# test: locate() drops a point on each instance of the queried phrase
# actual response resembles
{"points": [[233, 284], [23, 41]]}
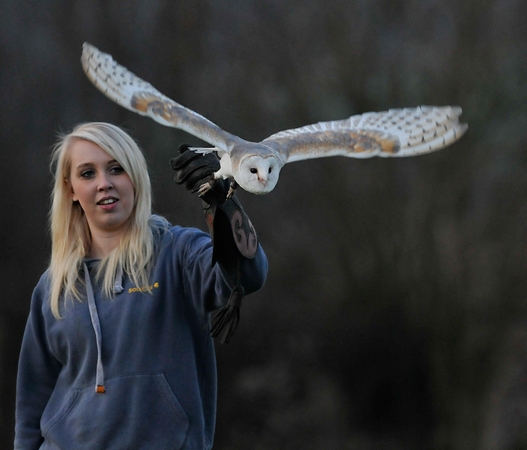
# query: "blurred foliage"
{"points": [[394, 312]]}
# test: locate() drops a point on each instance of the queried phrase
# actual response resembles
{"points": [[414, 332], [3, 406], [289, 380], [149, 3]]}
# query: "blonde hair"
{"points": [[70, 233]]}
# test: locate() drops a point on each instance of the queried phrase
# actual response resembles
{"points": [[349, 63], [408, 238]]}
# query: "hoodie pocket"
{"points": [[137, 412]]}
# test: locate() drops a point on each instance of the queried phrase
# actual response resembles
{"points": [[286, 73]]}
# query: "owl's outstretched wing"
{"points": [[397, 132], [135, 94]]}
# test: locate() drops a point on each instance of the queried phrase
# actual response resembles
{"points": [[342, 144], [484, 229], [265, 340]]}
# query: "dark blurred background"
{"points": [[394, 314]]}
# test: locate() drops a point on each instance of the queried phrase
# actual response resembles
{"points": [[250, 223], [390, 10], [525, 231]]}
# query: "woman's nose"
{"points": [[105, 183]]}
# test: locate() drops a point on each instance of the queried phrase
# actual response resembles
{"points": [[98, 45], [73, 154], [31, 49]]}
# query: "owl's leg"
{"points": [[209, 185], [232, 188]]}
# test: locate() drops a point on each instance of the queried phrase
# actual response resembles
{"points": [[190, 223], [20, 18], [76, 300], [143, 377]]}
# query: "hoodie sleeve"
{"points": [[208, 281], [38, 371]]}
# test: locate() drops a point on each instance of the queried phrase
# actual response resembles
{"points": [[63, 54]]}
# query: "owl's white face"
{"points": [[258, 174]]}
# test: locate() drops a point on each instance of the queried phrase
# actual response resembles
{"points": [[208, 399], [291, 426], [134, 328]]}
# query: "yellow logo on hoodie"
{"points": [[144, 288]]}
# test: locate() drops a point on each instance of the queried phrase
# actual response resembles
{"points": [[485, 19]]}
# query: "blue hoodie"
{"points": [[153, 353]]}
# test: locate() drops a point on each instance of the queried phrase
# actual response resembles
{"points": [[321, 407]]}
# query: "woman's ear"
{"points": [[69, 187]]}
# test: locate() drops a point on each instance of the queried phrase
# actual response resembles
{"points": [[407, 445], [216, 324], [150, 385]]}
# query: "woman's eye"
{"points": [[87, 174], [116, 169]]}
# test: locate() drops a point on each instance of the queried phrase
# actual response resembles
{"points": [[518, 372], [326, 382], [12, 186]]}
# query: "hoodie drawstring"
{"points": [[96, 324], [118, 283], [99, 377]]}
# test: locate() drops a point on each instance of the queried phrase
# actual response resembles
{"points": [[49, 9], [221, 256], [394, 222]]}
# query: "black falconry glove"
{"points": [[233, 235]]}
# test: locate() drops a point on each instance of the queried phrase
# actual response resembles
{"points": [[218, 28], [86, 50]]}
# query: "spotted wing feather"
{"points": [[393, 133], [135, 94]]}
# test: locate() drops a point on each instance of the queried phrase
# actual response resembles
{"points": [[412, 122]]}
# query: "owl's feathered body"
{"points": [[256, 166]]}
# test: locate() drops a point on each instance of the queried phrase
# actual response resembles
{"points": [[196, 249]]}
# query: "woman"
{"points": [[117, 352]]}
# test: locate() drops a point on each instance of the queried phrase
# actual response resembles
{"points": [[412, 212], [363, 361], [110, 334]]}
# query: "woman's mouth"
{"points": [[107, 201]]}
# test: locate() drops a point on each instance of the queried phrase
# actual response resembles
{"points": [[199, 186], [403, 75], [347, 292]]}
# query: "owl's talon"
{"points": [[232, 189], [204, 188]]}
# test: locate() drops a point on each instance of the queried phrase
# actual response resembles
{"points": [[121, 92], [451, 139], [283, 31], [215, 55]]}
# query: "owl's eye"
{"points": [[270, 169], [253, 170]]}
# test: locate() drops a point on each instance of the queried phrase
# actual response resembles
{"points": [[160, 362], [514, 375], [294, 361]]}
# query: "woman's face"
{"points": [[101, 186]]}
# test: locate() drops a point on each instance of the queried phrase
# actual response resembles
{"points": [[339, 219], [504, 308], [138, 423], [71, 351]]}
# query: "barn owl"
{"points": [[255, 166]]}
